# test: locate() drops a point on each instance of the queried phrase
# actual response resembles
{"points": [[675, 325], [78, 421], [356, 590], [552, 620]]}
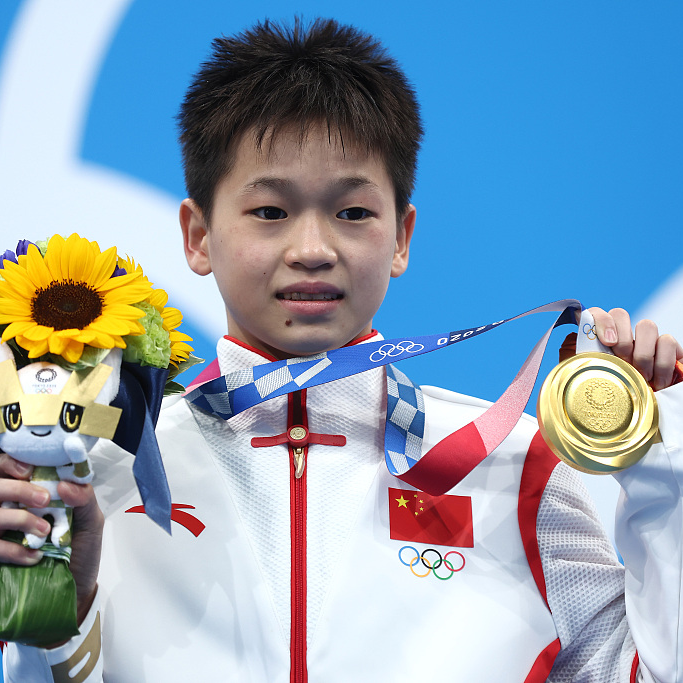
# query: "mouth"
{"points": [[47, 433], [306, 296], [310, 300]]}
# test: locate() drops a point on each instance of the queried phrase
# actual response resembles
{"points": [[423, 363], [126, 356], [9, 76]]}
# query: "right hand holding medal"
{"points": [[596, 410]]}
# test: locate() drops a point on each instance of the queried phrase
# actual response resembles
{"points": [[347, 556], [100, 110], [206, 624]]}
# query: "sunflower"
{"points": [[171, 317], [69, 299], [180, 351]]}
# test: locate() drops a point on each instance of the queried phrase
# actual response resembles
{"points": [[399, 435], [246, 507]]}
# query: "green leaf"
{"points": [[89, 359], [173, 389]]}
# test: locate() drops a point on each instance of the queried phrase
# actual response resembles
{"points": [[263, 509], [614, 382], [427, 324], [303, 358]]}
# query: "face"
{"points": [[302, 242]]}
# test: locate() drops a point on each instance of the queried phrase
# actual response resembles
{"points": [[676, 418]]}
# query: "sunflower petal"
{"points": [[70, 253], [18, 284], [138, 329], [58, 344], [36, 268], [134, 282], [123, 311], [53, 258], [72, 332], [82, 261], [158, 298], [105, 341], [85, 336], [37, 333], [10, 332], [73, 352], [17, 309], [175, 336], [111, 326], [172, 318], [35, 349], [20, 327], [133, 293], [103, 268]]}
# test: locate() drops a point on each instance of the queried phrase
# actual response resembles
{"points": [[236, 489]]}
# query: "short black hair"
{"points": [[275, 75]]}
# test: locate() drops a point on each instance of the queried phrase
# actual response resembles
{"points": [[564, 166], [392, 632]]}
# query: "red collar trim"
{"points": [[372, 333]]}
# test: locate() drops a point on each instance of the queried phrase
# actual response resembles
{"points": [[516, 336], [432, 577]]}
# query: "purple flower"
{"points": [[22, 247], [119, 271], [7, 256]]}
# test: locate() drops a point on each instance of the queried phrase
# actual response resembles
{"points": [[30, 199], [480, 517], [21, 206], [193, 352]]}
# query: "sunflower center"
{"points": [[66, 305]]}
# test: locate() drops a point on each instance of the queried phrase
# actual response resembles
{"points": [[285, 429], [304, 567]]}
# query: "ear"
{"points": [[194, 229], [403, 236], [111, 386]]}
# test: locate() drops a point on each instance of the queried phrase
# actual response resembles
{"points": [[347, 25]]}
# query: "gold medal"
{"points": [[597, 413]]}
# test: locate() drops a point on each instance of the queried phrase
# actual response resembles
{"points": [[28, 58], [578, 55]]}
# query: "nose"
{"points": [[312, 243]]}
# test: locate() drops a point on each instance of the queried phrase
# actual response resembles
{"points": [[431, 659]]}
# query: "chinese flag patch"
{"points": [[436, 520]]}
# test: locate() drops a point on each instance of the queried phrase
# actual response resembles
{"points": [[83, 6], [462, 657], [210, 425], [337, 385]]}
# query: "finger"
{"points": [[15, 553], [88, 518], [76, 495], [667, 352], [623, 348], [605, 326], [24, 493], [568, 348], [644, 349], [10, 467], [20, 519]]}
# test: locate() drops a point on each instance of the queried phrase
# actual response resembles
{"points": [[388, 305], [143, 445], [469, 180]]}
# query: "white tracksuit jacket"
{"points": [[270, 578]]}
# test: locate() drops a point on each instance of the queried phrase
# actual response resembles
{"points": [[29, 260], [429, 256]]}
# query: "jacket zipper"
{"points": [[296, 415]]}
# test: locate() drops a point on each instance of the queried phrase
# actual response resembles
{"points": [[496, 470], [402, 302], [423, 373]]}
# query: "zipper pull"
{"points": [[299, 461]]}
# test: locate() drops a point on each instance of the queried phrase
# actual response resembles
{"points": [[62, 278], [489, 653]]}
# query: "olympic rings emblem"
{"points": [[432, 566], [394, 350], [589, 331]]}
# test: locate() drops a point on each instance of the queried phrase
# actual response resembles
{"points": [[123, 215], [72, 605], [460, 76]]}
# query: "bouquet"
{"points": [[88, 350]]}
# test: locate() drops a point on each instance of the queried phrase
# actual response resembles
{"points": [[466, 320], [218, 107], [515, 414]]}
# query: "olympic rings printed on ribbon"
{"points": [[432, 565], [394, 350], [589, 331]]}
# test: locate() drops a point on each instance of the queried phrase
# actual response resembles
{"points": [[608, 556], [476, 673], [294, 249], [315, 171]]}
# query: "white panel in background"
{"points": [[51, 62]]}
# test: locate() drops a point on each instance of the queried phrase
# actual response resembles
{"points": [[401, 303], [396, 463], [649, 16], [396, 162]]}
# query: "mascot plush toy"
{"points": [[51, 419]]}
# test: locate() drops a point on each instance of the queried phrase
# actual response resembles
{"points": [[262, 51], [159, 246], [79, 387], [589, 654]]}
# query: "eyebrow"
{"points": [[277, 184], [267, 183]]}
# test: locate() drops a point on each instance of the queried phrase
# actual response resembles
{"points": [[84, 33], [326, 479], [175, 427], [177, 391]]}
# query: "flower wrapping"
{"points": [[37, 604]]}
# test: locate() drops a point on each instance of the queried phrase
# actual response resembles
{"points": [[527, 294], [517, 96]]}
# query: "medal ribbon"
{"points": [[449, 461]]}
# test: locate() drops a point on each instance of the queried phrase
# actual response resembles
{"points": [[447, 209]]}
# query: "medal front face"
{"points": [[597, 413]]}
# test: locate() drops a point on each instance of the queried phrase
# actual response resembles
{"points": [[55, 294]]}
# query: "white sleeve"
{"points": [[584, 584], [649, 535], [77, 661]]}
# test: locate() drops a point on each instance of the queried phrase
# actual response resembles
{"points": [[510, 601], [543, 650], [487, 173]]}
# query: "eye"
{"points": [[270, 213], [11, 414], [355, 213], [71, 416]]}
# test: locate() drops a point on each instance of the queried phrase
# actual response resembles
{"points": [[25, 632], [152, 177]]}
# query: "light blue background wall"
{"points": [[551, 167]]}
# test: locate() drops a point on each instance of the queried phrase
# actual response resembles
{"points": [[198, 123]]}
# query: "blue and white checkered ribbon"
{"points": [[229, 395]]}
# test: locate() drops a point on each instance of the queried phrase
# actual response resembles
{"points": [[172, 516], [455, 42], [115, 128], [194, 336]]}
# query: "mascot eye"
{"points": [[11, 414], [71, 417]]}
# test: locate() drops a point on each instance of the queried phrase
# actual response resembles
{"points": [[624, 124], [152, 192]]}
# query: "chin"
{"points": [[309, 347]]}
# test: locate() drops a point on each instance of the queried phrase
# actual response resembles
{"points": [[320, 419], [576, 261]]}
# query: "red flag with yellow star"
{"points": [[436, 520]]}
